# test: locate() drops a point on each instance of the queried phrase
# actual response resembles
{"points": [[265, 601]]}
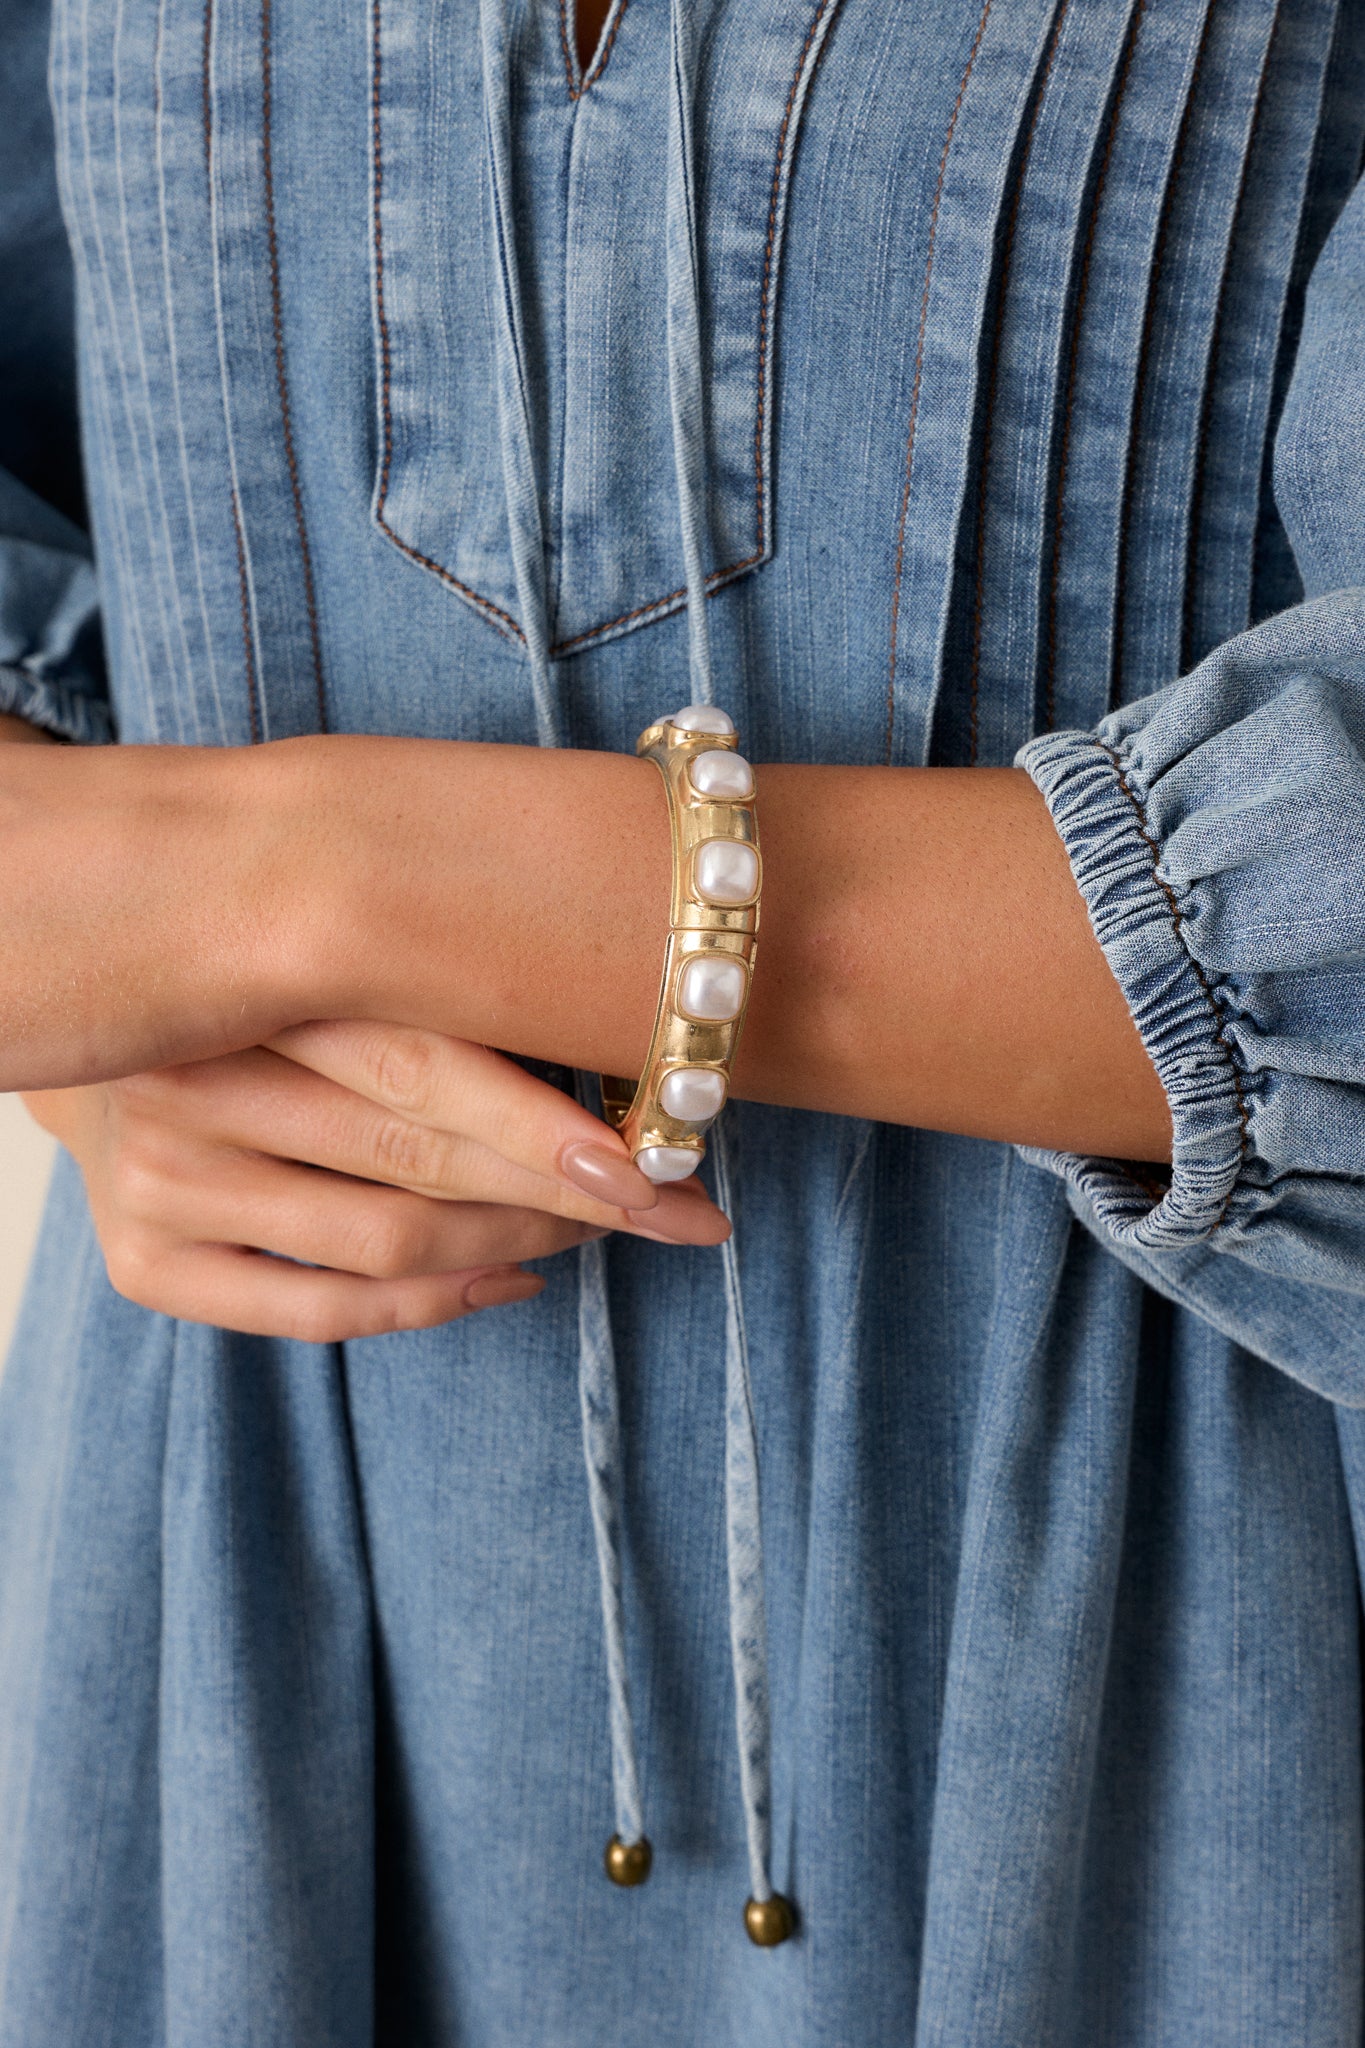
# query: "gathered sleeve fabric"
{"points": [[1216, 830], [51, 664], [51, 661]]}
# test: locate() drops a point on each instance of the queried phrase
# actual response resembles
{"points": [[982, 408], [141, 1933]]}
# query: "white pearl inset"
{"points": [[692, 1094], [667, 1162], [720, 773], [711, 988], [725, 870], [702, 718]]}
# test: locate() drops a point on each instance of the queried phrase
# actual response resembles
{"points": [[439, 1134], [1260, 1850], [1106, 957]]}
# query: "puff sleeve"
{"points": [[1216, 830], [51, 663]]}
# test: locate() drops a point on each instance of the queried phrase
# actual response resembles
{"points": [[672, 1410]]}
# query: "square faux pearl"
{"points": [[725, 871], [692, 1094], [667, 1162], [719, 773], [711, 988], [702, 718]]}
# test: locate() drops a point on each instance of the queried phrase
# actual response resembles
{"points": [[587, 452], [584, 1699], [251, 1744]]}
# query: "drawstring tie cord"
{"points": [[768, 1916]]}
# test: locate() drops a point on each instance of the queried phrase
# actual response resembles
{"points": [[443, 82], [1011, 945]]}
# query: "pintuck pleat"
{"points": [[970, 191], [1139, 160], [1189, 263], [1140, 283], [1003, 597], [1233, 418]]}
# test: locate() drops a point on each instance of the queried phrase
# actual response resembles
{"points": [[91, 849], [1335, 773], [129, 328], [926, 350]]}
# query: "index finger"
{"points": [[450, 1084]]}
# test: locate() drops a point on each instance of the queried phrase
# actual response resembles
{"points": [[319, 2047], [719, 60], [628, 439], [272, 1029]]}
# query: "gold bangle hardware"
{"points": [[712, 937]]}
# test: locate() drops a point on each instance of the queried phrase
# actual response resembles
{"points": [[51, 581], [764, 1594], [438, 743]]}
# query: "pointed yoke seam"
{"points": [[715, 578]]}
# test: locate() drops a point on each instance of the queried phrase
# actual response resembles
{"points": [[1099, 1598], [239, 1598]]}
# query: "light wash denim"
{"points": [[999, 371]]}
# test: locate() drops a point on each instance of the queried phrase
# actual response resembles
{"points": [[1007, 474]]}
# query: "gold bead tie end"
{"points": [[628, 1863], [769, 1922]]}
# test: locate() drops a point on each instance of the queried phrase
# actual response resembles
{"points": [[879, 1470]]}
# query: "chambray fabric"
{"points": [[1032, 416]]}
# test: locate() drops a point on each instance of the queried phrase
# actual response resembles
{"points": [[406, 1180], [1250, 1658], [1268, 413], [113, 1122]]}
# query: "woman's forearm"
{"points": [[20, 730], [142, 921], [924, 956]]}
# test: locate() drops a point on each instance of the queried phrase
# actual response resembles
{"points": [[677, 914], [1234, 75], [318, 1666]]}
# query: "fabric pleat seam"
{"points": [[993, 378], [1135, 424], [248, 649], [1196, 504], [206, 87], [1072, 370], [909, 468], [281, 370]]}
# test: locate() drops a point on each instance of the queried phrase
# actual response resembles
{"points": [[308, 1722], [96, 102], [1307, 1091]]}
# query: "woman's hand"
{"points": [[408, 1172]]}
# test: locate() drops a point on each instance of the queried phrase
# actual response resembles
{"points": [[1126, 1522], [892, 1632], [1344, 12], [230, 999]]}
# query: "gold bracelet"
{"points": [[709, 958]]}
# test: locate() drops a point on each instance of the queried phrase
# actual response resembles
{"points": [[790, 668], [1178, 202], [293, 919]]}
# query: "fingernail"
{"points": [[596, 1171], [500, 1290], [673, 1224]]}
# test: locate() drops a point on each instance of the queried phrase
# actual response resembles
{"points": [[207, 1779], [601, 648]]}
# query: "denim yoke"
{"points": [[1032, 418]]}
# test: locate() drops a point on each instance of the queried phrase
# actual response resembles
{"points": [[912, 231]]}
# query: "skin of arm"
{"points": [[21, 733], [925, 957]]}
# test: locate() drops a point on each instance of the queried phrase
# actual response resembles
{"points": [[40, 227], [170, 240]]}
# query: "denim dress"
{"points": [[932, 382]]}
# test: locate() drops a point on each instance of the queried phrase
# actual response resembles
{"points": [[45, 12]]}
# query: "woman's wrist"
{"points": [[144, 913], [504, 894]]}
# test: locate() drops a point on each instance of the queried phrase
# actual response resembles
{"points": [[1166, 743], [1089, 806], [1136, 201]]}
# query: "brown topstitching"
{"points": [[494, 611], [577, 87]]}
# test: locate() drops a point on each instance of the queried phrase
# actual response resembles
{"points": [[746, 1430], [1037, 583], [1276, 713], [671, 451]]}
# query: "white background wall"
{"points": [[25, 1162]]}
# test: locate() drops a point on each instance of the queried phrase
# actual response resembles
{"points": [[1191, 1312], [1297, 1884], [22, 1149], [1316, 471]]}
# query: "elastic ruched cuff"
{"points": [[71, 714], [1216, 830], [51, 658], [1099, 809]]}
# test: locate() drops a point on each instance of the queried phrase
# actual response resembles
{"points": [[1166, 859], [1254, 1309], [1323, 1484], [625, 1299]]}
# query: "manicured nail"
{"points": [[500, 1290], [596, 1171], [683, 1222]]}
